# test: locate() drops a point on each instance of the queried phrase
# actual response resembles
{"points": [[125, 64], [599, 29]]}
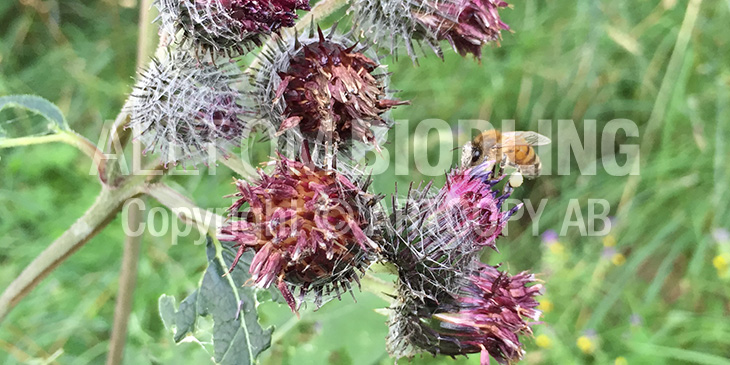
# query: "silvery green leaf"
{"points": [[238, 338], [38, 105]]}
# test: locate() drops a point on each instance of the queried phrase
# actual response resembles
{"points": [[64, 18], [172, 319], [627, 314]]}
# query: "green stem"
{"points": [[373, 284], [184, 208], [32, 140], [68, 137], [132, 242], [105, 208]]}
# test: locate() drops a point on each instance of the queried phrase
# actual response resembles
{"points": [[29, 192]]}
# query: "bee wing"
{"points": [[526, 138]]}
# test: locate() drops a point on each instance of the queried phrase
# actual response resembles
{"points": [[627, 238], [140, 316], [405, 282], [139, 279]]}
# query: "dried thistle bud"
{"points": [[187, 109], [323, 89], [466, 24], [227, 27], [488, 316], [311, 228]]}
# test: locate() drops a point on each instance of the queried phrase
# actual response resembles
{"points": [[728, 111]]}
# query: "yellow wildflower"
{"points": [[720, 262], [546, 306], [586, 344], [543, 341], [618, 259]]}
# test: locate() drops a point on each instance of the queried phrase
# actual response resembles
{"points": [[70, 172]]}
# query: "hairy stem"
{"points": [[71, 138], [184, 208], [105, 208]]}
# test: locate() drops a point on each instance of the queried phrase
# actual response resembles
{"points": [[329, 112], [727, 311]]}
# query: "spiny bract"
{"points": [[187, 110]]}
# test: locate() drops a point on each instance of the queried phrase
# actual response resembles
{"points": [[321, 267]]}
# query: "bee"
{"points": [[514, 149]]}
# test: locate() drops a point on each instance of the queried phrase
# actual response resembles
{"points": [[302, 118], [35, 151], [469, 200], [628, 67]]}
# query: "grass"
{"points": [[649, 62]]}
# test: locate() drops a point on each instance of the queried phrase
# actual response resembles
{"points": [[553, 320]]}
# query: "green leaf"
{"points": [[38, 105], [237, 335]]}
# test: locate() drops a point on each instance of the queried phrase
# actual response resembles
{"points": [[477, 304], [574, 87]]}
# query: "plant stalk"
{"points": [[105, 208], [132, 242], [127, 283]]}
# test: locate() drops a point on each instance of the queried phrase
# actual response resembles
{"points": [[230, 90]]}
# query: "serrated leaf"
{"points": [[237, 335], [38, 105]]}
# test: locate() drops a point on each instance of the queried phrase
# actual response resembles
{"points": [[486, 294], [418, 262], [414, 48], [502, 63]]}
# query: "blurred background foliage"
{"points": [[654, 290]]}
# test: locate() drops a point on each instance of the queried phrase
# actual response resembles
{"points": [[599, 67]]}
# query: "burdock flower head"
{"points": [[227, 26], [323, 89], [461, 219], [435, 243], [488, 317], [187, 109], [311, 228], [466, 24]]}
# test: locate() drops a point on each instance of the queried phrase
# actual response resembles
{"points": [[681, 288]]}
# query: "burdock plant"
{"points": [[312, 228], [307, 222], [466, 25], [323, 89]]}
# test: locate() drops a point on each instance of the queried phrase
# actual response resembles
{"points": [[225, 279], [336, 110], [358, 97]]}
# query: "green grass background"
{"points": [[565, 60]]}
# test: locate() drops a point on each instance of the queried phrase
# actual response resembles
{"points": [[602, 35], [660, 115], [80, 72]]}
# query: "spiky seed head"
{"points": [[323, 89], [435, 240], [311, 228], [454, 223], [466, 24], [226, 27], [488, 315], [186, 109]]}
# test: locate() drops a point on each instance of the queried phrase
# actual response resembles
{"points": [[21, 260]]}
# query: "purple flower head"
{"points": [[608, 252], [466, 24], [186, 110], [227, 27], [436, 235], [488, 315], [311, 228], [323, 88], [436, 243], [636, 320], [550, 236]]}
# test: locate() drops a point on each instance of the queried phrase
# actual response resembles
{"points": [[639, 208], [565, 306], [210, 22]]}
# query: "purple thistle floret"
{"points": [[227, 27], [311, 228], [466, 24], [721, 235], [448, 302], [493, 310], [550, 236]]}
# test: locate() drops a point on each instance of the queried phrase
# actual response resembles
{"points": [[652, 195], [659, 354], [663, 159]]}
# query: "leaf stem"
{"points": [[68, 137], [184, 208], [31, 140]]}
